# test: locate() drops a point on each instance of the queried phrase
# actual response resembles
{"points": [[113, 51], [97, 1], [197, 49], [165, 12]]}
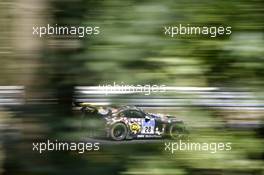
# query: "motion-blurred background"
{"points": [[38, 77]]}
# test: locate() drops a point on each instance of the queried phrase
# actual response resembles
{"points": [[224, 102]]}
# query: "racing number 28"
{"points": [[147, 129]]}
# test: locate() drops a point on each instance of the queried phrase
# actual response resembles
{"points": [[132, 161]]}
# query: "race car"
{"points": [[130, 122]]}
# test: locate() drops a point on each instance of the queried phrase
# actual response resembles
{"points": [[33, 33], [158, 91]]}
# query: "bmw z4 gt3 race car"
{"points": [[131, 122]]}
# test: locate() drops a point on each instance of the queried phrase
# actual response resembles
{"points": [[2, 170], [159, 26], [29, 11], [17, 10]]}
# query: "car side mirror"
{"points": [[147, 118]]}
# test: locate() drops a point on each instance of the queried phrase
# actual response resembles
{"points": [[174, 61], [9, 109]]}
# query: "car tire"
{"points": [[118, 131], [177, 131]]}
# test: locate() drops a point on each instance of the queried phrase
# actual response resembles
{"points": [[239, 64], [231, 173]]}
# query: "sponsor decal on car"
{"points": [[135, 128]]}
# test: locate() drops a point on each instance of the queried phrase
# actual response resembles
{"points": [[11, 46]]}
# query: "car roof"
{"points": [[123, 108]]}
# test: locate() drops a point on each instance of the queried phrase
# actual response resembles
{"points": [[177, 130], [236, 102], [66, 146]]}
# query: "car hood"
{"points": [[160, 116], [165, 118]]}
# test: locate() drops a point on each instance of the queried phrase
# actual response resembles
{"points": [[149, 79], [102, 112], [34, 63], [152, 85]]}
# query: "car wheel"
{"points": [[118, 131], [177, 131]]}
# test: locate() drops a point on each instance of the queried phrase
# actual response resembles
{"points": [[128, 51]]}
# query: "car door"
{"points": [[138, 122], [148, 125]]}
